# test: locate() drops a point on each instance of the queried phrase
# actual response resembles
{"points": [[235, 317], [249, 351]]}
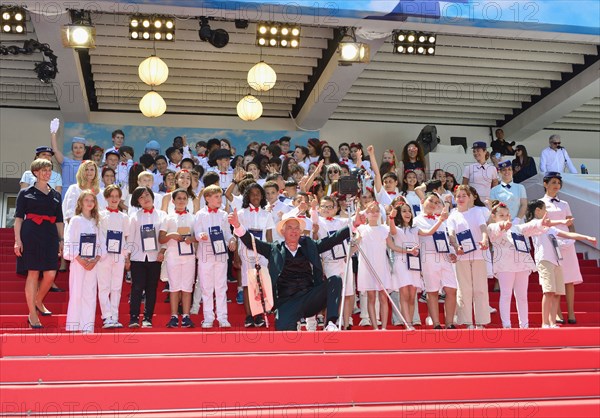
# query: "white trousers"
{"points": [[110, 282], [83, 286], [212, 283], [517, 283]]}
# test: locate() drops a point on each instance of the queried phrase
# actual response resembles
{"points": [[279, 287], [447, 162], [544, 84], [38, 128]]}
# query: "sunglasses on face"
{"points": [[556, 143], [334, 171]]}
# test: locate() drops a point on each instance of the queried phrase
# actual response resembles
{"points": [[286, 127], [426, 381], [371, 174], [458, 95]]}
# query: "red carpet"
{"points": [[240, 372]]}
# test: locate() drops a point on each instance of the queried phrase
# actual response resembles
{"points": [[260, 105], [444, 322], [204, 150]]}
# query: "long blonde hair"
{"points": [[95, 214], [80, 176]]}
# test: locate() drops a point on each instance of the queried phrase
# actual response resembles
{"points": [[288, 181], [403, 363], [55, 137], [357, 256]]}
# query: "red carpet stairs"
{"points": [[248, 372]]}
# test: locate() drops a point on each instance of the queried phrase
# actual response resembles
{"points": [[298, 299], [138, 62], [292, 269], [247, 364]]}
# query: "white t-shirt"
{"points": [[471, 220], [481, 177]]}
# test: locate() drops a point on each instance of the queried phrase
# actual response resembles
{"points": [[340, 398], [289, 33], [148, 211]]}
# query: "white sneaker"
{"points": [[479, 326], [116, 323], [194, 310], [223, 324], [471, 326], [311, 324], [207, 324], [350, 321], [493, 310], [108, 323], [554, 326], [365, 322], [429, 321], [545, 326], [146, 324], [331, 327]]}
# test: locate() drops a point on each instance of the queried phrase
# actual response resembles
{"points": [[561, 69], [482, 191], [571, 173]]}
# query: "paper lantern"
{"points": [[152, 105], [249, 108], [153, 71], [262, 77]]}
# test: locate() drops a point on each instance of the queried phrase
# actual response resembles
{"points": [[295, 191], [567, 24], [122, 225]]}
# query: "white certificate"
{"points": [[87, 249]]}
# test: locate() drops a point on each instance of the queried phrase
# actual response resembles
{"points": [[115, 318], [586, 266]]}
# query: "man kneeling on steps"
{"points": [[296, 272]]}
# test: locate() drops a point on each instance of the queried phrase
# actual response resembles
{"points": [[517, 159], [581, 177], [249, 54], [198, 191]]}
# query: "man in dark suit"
{"points": [[299, 290]]}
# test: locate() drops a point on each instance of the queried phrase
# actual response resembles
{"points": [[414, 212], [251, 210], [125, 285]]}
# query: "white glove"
{"points": [[54, 125]]}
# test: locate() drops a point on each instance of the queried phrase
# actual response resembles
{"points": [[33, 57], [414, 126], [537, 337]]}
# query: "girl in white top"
{"points": [[467, 232], [559, 209], [275, 206], [334, 261], [83, 240], [406, 273], [409, 183], [548, 254], [114, 224], [146, 255], [437, 260], [258, 222], [481, 174], [373, 238], [87, 179], [183, 180], [177, 233], [512, 265]]}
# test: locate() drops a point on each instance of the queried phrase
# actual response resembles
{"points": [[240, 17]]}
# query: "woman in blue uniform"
{"points": [[38, 238]]}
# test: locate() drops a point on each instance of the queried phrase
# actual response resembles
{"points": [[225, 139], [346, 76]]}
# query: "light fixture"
{"points": [[350, 51], [262, 77], [80, 33], [249, 108], [280, 35], [152, 105], [218, 38], [152, 28], [408, 42], [153, 71], [12, 20]]}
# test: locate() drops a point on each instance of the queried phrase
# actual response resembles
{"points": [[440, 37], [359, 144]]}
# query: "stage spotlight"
{"points": [[408, 42], [13, 20], [277, 35], [218, 38], [81, 33], [152, 27]]}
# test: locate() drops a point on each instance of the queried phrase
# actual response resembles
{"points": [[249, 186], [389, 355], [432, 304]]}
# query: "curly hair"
{"points": [[246, 198]]}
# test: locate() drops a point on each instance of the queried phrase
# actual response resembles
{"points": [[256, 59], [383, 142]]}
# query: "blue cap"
{"points": [[112, 152], [552, 174], [504, 164], [479, 144], [153, 145], [78, 139], [39, 150]]}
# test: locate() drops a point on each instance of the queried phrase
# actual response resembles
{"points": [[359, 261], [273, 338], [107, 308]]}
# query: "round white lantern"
{"points": [[249, 108], [152, 105], [262, 77], [153, 71]]}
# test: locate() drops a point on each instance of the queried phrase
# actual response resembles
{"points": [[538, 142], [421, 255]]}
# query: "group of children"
{"points": [[418, 236]]}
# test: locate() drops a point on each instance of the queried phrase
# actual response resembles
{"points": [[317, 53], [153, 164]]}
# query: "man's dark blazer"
{"points": [[274, 252]]}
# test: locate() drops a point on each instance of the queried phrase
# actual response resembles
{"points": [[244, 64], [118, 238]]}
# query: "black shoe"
{"points": [[166, 288], [438, 326], [173, 322], [560, 321], [451, 326], [134, 322], [56, 289], [249, 322], [571, 321], [34, 326], [259, 321], [43, 313]]}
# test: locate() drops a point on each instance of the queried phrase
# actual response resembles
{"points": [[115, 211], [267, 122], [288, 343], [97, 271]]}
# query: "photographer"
{"points": [[499, 145], [555, 158]]}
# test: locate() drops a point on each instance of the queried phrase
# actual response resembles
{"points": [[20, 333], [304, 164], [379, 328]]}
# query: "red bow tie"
{"points": [[122, 163], [149, 211], [183, 212], [201, 155], [392, 193], [430, 216], [344, 160], [254, 209], [112, 210], [215, 210], [223, 173], [301, 216], [177, 165], [329, 218]]}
